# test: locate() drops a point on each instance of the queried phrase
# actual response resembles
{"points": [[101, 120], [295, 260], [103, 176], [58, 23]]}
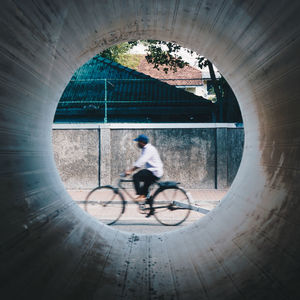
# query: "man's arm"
{"points": [[140, 162], [130, 171], [143, 159]]}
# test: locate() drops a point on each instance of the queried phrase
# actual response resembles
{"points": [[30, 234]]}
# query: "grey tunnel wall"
{"points": [[247, 248]]}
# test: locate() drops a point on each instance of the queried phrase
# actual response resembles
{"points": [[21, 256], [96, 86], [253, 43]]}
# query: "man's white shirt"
{"points": [[151, 160]]}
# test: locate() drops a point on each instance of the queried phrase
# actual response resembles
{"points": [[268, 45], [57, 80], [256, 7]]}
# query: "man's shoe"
{"points": [[141, 198]]}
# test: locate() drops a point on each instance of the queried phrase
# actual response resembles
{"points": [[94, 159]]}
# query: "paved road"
{"points": [[133, 221]]}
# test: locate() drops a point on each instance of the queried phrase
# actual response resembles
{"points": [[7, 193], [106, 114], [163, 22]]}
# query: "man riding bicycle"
{"points": [[168, 202], [153, 168]]}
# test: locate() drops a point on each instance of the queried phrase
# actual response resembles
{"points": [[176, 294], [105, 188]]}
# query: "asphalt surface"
{"points": [[135, 222]]}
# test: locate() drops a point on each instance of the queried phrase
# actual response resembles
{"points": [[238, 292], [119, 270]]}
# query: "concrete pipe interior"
{"points": [[246, 248]]}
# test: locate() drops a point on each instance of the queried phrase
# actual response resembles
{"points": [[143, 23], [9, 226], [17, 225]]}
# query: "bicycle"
{"points": [[169, 203]]}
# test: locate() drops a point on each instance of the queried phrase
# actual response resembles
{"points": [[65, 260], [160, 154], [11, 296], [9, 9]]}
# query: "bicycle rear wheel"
{"points": [[105, 203], [171, 206]]}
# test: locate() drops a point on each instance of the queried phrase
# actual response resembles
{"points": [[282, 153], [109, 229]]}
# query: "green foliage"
{"points": [[202, 62], [131, 61], [162, 54], [159, 57], [168, 58], [117, 52], [165, 55]]}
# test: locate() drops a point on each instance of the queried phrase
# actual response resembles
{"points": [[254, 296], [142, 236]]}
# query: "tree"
{"points": [[161, 53], [171, 61], [165, 54], [166, 58], [119, 54]]}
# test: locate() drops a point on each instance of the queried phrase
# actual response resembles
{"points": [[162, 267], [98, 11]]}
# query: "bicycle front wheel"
{"points": [[105, 203], [171, 206]]}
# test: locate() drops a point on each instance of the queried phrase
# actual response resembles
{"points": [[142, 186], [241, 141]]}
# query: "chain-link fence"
{"points": [[143, 100]]}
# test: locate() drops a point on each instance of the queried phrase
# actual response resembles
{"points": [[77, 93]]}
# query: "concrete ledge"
{"points": [[144, 125]]}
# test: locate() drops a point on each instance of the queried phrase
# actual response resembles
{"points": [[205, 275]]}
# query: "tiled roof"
{"points": [[187, 76]]}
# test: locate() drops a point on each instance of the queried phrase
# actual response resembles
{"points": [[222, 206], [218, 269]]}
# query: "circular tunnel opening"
{"points": [[248, 246], [132, 89]]}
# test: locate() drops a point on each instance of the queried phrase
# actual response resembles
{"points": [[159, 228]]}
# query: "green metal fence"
{"points": [[106, 94]]}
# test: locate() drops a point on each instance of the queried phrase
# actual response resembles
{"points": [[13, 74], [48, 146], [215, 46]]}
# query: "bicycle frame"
{"points": [[149, 201]]}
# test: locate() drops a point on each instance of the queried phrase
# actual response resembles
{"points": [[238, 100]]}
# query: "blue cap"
{"points": [[142, 138]]}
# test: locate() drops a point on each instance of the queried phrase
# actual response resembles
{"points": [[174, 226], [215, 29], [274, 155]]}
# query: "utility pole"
{"points": [[216, 89], [105, 100]]}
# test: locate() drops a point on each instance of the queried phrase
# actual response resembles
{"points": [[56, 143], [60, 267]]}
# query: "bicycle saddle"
{"points": [[168, 183]]}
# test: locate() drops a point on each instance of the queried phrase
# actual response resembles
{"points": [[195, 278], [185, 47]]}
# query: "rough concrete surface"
{"points": [[77, 157], [246, 248], [179, 149], [195, 157]]}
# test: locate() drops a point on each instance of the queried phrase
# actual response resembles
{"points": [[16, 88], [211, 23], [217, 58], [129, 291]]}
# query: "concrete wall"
{"points": [[76, 153], [198, 156]]}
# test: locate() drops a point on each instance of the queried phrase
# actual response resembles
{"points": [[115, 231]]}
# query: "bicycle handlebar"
{"points": [[123, 175], [126, 180]]}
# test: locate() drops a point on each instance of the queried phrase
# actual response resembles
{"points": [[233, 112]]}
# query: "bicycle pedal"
{"points": [[142, 206], [150, 214]]}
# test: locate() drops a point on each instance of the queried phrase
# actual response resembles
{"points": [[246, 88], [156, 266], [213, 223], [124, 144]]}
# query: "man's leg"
{"points": [[137, 178], [148, 179]]}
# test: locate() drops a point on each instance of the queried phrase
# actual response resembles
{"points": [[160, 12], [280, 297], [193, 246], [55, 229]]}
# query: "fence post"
{"points": [[105, 155], [221, 159], [105, 100]]}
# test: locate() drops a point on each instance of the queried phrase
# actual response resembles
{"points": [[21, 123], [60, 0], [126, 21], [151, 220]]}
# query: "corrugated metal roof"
{"points": [[126, 89], [124, 85]]}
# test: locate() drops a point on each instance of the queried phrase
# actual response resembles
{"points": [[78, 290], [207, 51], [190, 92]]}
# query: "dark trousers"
{"points": [[147, 178]]}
